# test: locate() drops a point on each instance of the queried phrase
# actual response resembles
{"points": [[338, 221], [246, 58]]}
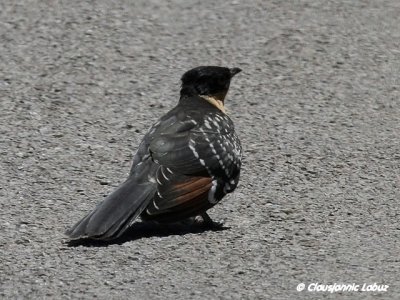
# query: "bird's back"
{"points": [[199, 155]]}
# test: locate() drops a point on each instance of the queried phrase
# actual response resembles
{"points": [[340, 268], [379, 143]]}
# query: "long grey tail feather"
{"points": [[116, 213]]}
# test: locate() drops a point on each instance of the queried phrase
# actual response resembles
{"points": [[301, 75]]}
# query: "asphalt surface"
{"points": [[317, 109]]}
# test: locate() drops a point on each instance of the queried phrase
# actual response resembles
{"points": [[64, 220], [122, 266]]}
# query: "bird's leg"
{"points": [[204, 220]]}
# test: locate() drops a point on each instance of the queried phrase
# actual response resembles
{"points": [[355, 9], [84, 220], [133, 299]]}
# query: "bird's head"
{"points": [[208, 81]]}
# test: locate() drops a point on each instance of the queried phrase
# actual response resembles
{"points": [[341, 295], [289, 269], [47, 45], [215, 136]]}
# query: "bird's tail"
{"points": [[116, 213]]}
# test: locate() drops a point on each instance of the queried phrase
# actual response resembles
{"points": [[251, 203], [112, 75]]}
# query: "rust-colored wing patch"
{"points": [[178, 197]]}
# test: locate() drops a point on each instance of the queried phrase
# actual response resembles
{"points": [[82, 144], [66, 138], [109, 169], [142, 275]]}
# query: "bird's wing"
{"points": [[199, 164], [198, 150], [178, 196]]}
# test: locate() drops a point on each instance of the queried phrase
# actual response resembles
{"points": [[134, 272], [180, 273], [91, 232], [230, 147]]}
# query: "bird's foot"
{"points": [[204, 221]]}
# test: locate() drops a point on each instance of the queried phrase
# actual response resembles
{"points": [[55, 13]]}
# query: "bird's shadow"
{"points": [[146, 230]]}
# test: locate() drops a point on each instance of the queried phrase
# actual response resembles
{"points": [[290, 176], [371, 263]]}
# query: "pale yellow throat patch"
{"points": [[215, 100]]}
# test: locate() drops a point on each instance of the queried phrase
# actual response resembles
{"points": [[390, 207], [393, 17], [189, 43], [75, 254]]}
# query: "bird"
{"points": [[185, 164]]}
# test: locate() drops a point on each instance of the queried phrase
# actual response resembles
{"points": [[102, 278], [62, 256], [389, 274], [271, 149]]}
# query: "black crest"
{"points": [[207, 80]]}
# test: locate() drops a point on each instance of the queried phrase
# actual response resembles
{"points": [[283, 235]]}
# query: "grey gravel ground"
{"points": [[317, 108]]}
